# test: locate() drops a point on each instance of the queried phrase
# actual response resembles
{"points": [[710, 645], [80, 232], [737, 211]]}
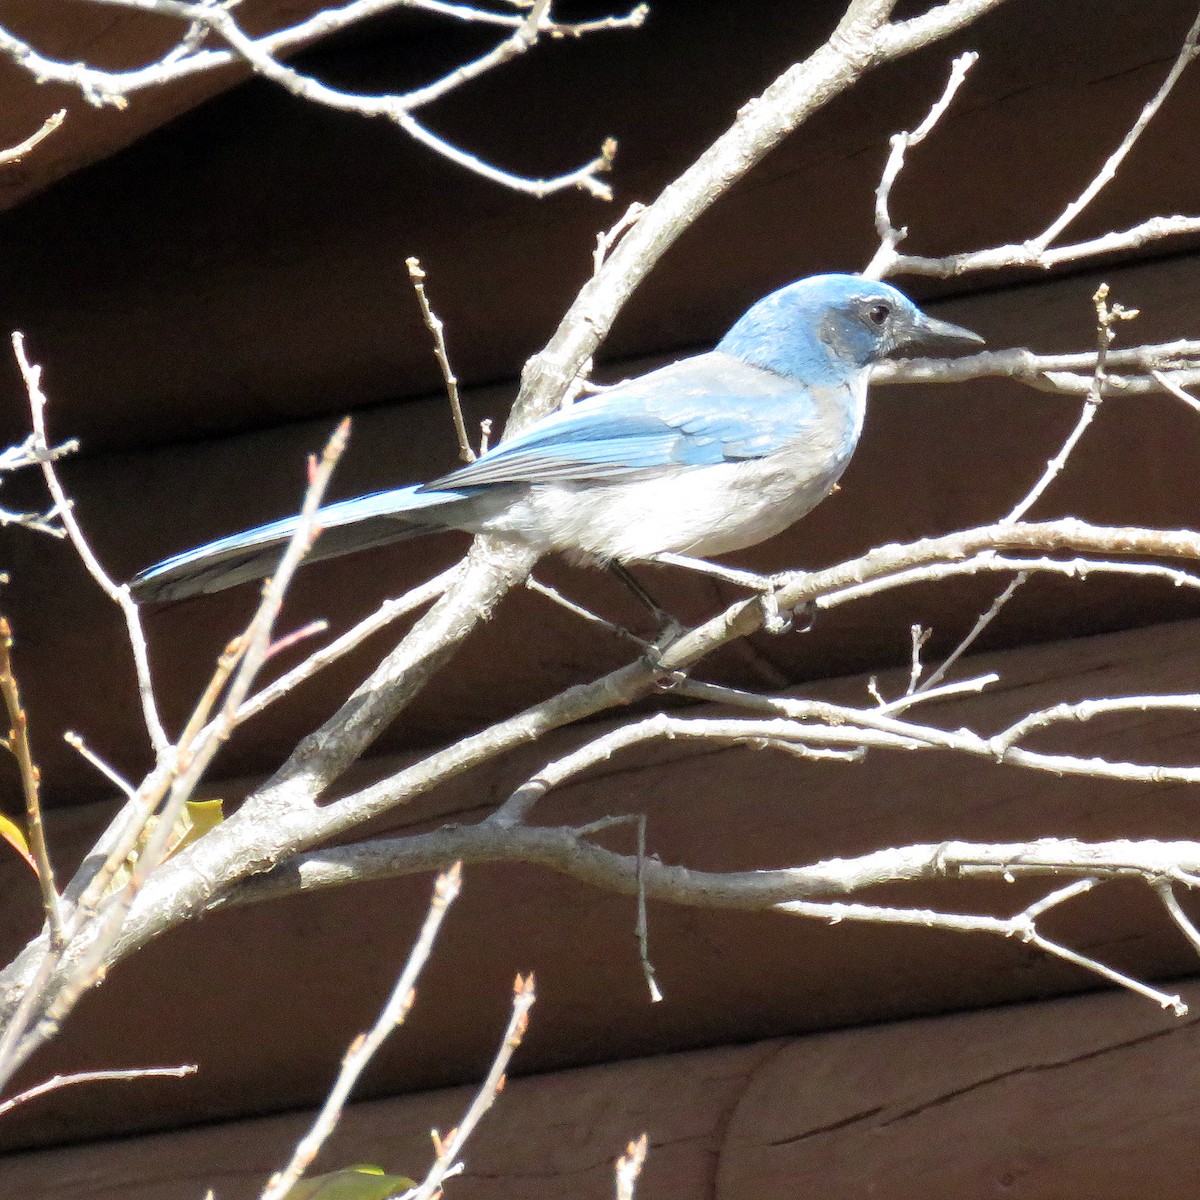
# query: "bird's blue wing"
{"points": [[704, 410]]}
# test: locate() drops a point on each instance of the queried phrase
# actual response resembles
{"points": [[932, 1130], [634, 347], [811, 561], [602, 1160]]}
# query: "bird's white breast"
{"points": [[697, 510]]}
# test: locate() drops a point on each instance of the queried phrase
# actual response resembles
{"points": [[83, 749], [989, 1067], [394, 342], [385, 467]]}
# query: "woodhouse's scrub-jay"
{"points": [[707, 455]]}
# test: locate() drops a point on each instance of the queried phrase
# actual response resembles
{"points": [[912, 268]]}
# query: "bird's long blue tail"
{"points": [[349, 525]]}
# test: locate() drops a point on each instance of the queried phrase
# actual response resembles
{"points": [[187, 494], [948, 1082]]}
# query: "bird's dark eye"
{"points": [[878, 313]]}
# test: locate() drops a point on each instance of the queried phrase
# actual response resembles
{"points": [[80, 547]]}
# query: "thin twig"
{"points": [[1108, 171], [585, 177], [1083, 711], [1168, 384], [918, 636], [981, 623], [289, 641], [642, 927], [578, 610], [18, 746], [29, 454], [118, 594], [115, 1076], [38, 522], [889, 236], [437, 329], [1038, 251], [254, 645], [1106, 318], [1023, 926], [365, 1046], [715, 693], [49, 125], [1024, 254], [629, 1166], [110, 773], [643, 922], [449, 1147], [606, 241], [1166, 893], [388, 611]]}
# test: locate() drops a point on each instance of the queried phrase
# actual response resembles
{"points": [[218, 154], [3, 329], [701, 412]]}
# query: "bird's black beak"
{"points": [[927, 335]]}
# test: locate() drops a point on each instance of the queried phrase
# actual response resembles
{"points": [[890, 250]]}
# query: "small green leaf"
{"points": [[361, 1182], [204, 815], [196, 819]]}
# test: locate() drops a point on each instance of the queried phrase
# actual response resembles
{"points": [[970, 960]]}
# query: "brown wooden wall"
{"points": [[1089, 1096], [209, 300]]}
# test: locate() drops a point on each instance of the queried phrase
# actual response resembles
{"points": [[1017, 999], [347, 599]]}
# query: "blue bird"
{"points": [[710, 454]]}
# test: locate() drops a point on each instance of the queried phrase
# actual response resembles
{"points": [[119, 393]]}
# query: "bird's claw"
{"points": [[804, 616], [670, 681], [776, 620], [653, 653], [670, 633]]}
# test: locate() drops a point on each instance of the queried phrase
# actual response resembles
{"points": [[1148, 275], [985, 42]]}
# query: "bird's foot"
{"points": [[778, 620], [804, 616], [775, 619], [654, 651]]}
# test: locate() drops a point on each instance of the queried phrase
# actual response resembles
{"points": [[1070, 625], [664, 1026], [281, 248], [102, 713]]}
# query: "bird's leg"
{"points": [[668, 627], [767, 586], [652, 606], [586, 614]]}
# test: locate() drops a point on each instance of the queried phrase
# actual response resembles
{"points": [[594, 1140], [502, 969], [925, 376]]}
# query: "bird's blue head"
{"points": [[824, 327]]}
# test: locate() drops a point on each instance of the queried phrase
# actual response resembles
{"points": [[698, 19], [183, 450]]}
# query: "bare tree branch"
{"points": [[283, 821], [26, 454], [261, 54], [1036, 251], [1022, 925], [445, 891], [1108, 171], [1021, 254], [434, 324], [15, 153], [561, 849], [1128, 372], [119, 595], [115, 1076], [1106, 318], [798, 891], [629, 1166], [17, 743], [62, 970], [449, 1148], [889, 236]]}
